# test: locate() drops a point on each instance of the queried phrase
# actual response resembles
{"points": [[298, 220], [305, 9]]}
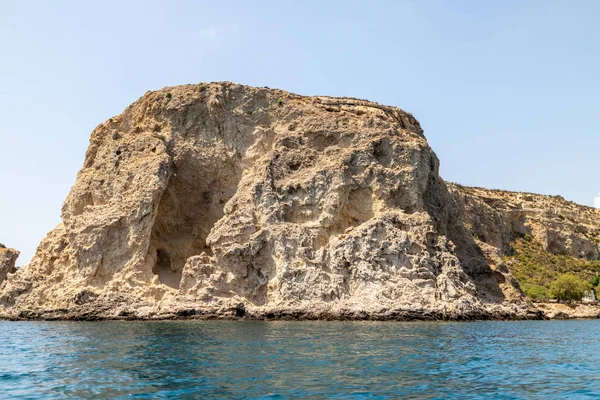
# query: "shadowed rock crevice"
{"points": [[447, 215], [8, 258], [356, 210], [190, 206]]}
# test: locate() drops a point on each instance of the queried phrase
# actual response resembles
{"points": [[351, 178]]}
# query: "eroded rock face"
{"points": [[496, 217], [8, 258], [223, 200]]}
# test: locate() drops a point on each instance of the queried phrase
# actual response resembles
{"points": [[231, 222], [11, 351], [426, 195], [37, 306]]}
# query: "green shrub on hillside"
{"points": [[536, 268], [2, 246], [536, 292], [533, 265], [568, 287]]}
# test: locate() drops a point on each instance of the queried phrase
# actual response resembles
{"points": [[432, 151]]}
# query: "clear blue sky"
{"points": [[507, 91]]}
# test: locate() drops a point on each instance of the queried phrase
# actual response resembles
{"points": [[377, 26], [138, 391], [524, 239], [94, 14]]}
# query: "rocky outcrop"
{"points": [[569, 311], [8, 258], [496, 217], [221, 200], [537, 238]]}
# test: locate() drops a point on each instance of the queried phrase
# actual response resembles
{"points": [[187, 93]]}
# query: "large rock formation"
{"points": [[220, 200]]}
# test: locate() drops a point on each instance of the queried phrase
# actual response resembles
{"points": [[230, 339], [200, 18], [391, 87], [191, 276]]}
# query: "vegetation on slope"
{"points": [[543, 275]]}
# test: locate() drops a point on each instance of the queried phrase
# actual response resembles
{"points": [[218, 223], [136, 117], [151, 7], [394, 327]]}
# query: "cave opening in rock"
{"points": [[190, 206], [163, 268]]}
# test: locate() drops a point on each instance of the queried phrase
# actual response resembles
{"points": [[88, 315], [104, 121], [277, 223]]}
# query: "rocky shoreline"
{"points": [[542, 311], [131, 312], [238, 313]]}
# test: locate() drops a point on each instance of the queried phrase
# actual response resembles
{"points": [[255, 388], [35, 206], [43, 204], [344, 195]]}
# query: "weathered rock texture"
{"points": [[563, 237], [220, 200], [496, 217], [8, 258]]}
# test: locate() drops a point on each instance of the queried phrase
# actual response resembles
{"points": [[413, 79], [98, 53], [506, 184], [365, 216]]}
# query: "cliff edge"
{"points": [[221, 200], [8, 258]]}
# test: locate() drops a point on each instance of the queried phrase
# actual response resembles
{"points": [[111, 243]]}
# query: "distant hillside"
{"points": [[539, 238]]}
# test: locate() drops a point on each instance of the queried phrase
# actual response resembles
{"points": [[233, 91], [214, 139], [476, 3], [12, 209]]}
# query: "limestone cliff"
{"points": [[220, 200]]}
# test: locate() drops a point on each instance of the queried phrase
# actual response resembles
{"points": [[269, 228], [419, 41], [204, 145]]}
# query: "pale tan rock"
{"points": [[221, 200], [497, 217], [569, 311], [8, 258]]}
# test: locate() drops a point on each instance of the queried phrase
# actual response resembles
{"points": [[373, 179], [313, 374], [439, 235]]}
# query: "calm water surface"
{"points": [[214, 359]]}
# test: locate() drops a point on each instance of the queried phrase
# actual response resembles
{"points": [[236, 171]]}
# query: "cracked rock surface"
{"points": [[221, 200], [8, 258], [495, 217]]}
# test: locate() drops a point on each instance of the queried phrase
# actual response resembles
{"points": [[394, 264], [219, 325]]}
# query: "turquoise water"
{"points": [[215, 359]]}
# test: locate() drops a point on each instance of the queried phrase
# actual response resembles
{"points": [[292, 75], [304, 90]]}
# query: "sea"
{"points": [[291, 359]]}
